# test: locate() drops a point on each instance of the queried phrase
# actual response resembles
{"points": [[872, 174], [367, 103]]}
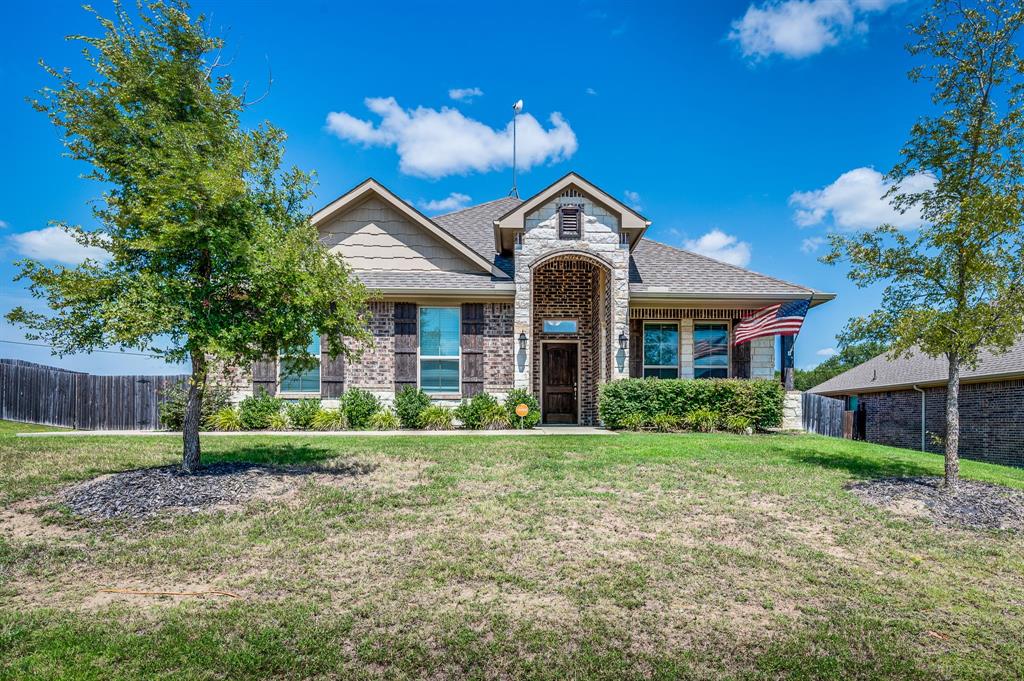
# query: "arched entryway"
{"points": [[571, 319]]}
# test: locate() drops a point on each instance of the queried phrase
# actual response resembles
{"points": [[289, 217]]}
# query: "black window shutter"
{"points": [[264, 376], [332, 372], [636, 348], [472, 349], [405, 345]]}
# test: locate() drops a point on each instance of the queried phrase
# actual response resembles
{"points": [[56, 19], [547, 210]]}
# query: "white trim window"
{"points": [[711, 350], [303, 380], [661, 350], [440, 350]]}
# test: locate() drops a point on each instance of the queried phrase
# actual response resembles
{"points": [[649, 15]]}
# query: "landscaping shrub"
{"points": [[515, 398], [329, 419], [226, 419], [702, 419], [359, 407], [738, 424], [482, 411], [302, 413], [255, 411], [409, 404], [759, 400], [174, 399], [436, 417], [278, 421], [666, 423], [634, 421], [385, 419]]}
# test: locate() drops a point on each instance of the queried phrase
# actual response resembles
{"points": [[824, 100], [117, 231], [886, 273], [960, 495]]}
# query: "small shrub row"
{"points": [[700, 405], [362, 410]]}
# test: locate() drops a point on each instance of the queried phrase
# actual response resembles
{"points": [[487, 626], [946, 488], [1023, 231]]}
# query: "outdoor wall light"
{"points": [[623, 340], [522, 341]]}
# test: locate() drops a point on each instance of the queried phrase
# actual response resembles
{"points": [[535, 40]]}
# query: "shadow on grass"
{"points": [[276, 454], [862, 466]]}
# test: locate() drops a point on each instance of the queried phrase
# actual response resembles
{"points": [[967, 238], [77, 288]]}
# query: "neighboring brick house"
{"points": [[894, 393], [556, 294]]}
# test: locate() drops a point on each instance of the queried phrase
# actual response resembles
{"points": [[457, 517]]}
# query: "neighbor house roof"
{"points": [[883, 373]]}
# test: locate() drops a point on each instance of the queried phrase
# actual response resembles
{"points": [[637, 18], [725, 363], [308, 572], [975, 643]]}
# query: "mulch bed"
{"points": [[145, 492], [976, 505]]}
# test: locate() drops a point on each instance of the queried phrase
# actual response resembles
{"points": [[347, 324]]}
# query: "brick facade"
{"points": [[991, 420], [499, 347], [375, 368]]}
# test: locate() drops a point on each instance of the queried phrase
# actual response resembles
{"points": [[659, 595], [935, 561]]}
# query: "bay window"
{"points": [[440, 335], [296, 380], [661, 350], [711, 350]]}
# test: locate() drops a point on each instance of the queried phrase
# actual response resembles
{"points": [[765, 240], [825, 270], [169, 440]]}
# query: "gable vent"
{"points": [[569, 219], [571, 193]]}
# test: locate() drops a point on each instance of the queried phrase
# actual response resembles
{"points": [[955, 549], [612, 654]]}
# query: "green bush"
{"points": [[409, 404], [703, 420], [514, 399], [226, 419], [255, 411], [329, 419], [666, 423], [302, 413], [480, 411], [436, 417], [634, 421], [385, 419], [174, 399], [279, 421], [738, 424], [758, 400], [359, 407]]}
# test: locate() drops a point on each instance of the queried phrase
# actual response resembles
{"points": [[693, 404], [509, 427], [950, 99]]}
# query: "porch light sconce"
{"points": [[623, 340], [522, 341]]}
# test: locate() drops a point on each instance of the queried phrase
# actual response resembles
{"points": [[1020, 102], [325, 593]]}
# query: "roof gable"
{"points": [[371, 187]]}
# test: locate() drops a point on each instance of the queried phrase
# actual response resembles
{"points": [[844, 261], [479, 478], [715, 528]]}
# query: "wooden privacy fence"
{"points": [[35, 393], [822, 415]]}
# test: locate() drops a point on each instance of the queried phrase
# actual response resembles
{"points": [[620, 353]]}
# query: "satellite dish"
{"points": [[518, 106]]}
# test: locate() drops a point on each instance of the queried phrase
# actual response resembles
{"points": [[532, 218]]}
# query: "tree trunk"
{"points": [[953, 424], [193, 414]]}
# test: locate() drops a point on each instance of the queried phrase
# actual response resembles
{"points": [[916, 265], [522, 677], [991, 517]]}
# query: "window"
{"points": [[569, 219], [302, 380], [440, 334], [711, 351], [661, 350], [559, 326]]}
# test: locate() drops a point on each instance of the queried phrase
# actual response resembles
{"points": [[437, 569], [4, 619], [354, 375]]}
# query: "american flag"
{"points": [[780, 319]]}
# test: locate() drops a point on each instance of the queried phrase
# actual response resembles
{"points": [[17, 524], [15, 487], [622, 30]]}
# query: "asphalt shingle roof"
{"points": [[475, 227], [882, 373], [419, 280]]}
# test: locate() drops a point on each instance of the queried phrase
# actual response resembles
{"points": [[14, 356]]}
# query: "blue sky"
{"points": [[745, 130]]}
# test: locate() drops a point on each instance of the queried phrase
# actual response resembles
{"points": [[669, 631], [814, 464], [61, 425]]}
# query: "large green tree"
{"points": [[956, 285], [212, 258]]}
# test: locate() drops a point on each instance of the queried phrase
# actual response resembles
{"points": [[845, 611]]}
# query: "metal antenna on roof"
{"points": [[516, 108]]}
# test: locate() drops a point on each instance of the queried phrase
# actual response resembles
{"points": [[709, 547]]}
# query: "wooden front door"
{"points": [[559, 394]]}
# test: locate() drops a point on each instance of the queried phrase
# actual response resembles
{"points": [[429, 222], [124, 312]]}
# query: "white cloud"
{"points": [[53, 243], [812, 244], [855, 201], [721, 246], [590, 91], [433, 144], [3, 225], [633, 198], [827, 352], [452, 202], [465, 93], [801, 28]]}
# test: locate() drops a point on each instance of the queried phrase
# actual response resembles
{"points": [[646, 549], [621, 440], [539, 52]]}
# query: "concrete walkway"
{"points": [[541, 430]]}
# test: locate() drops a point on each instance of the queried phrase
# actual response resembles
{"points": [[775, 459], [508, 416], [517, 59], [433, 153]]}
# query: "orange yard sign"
{"points": [[522, 410]]}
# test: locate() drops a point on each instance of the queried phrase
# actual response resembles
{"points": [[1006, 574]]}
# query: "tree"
{"points": [[211, 254], [955, 286], [849, 356]]}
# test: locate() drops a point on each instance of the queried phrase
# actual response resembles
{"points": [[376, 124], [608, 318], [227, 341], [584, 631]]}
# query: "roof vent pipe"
{"points": [[922, 415]]}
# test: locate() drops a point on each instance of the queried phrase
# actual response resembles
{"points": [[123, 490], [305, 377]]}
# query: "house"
{"points": [[556, 294], [904, 403]]}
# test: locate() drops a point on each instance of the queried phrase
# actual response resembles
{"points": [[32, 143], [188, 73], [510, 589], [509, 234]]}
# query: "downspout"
{"points": [[922, 416]]}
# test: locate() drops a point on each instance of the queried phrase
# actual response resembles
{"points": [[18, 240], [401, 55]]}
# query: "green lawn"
{"points": [[12, 427], [661, 556]]}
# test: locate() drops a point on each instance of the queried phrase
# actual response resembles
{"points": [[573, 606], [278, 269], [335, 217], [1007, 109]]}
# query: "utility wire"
{"points": [[109, 352]]}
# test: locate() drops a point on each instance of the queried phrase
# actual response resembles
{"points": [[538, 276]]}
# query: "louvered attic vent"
{"points": [[569, 219]]}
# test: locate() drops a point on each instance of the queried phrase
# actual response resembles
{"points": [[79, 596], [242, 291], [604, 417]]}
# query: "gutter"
{"points": [[922, 415]]}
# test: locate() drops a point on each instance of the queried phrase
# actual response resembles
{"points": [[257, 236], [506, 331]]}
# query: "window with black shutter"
{"points": [[569, 219]]}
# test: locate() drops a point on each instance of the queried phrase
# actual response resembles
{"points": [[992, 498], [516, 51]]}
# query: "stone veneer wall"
{"points": [[568, 290], [991, 420], [600, 240]]}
